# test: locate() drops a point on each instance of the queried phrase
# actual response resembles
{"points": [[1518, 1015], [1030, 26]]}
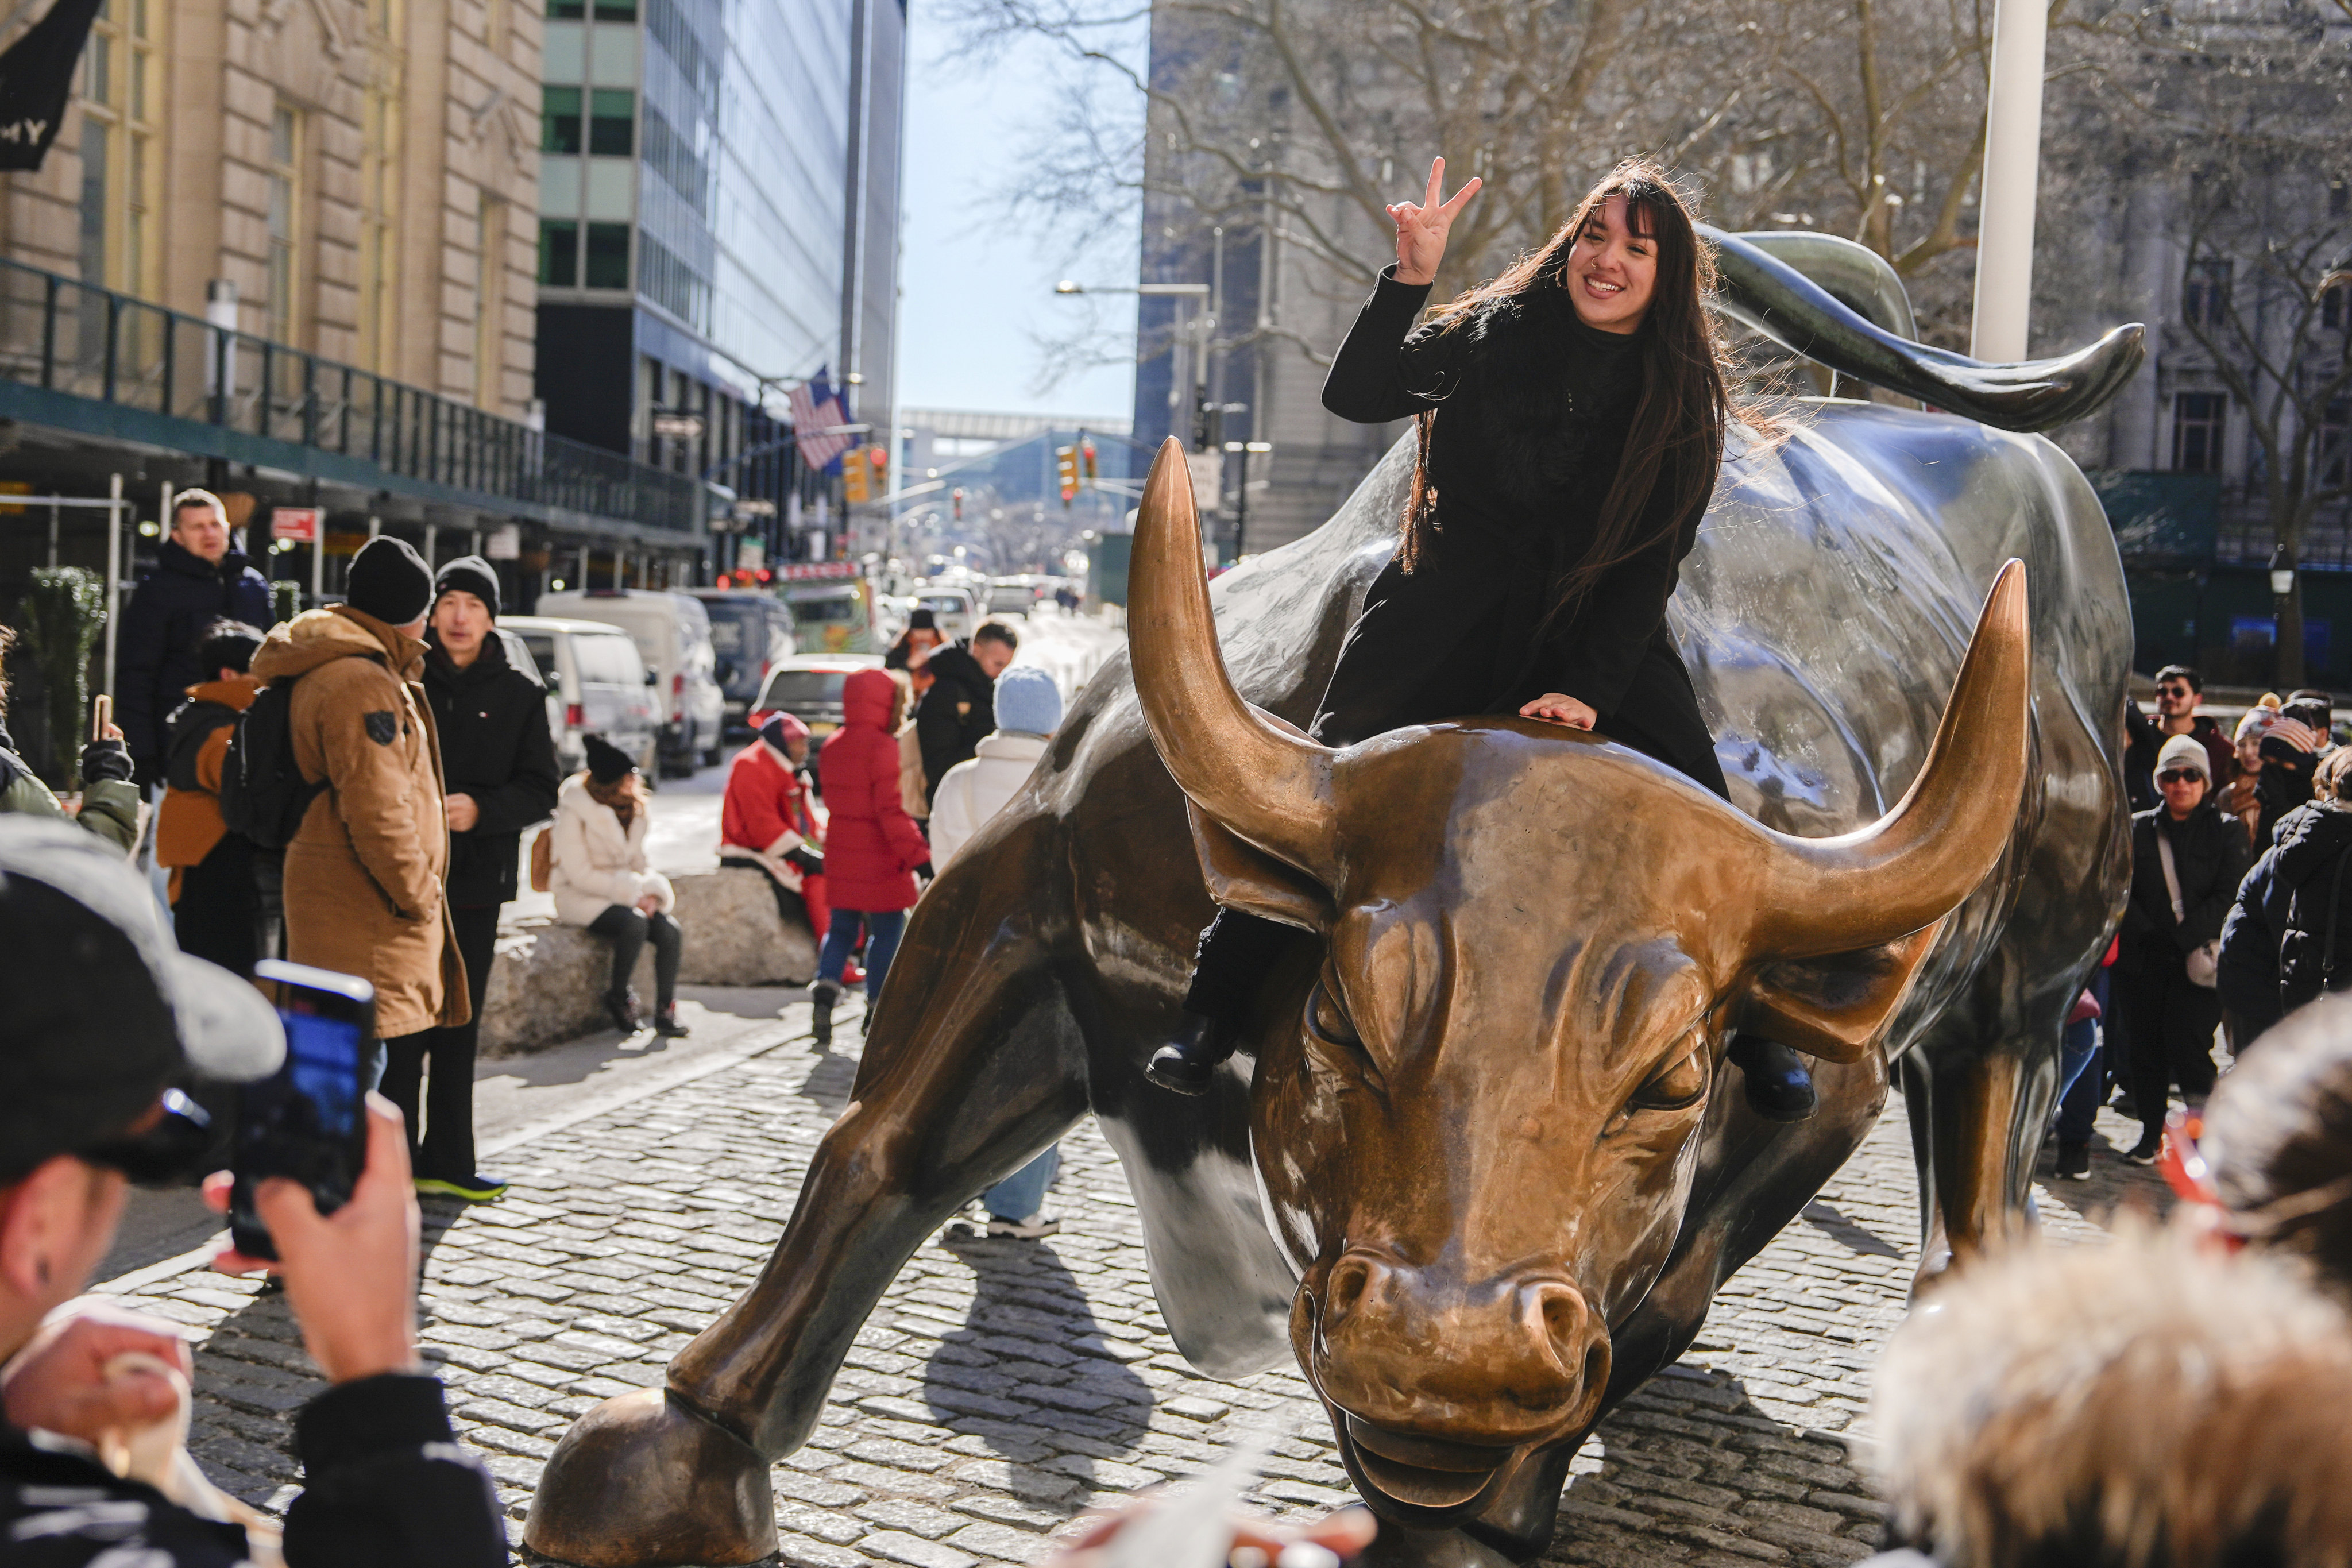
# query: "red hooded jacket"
{"points": [[871, 845]]}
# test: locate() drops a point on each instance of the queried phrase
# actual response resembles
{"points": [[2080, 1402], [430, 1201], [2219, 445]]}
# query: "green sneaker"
{"points": [[476, 1189]]}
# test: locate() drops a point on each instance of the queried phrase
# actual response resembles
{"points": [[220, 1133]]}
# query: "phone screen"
{"points": [[307, 1120]]}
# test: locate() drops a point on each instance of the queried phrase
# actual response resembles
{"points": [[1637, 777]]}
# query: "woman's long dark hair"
{"points": [[1676, 439]]}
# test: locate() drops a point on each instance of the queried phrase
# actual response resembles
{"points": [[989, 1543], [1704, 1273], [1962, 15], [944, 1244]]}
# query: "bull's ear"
{"points": [[1240, 876], [1837, 1006]]}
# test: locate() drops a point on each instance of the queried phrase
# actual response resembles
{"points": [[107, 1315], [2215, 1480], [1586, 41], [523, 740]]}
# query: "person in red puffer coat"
{"points": [[872, 848], [765, 823]]}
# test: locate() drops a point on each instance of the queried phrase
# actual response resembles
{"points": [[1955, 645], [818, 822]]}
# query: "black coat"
{"points": [[385, 1483], [2313, 877], [495, 747], [955, 713], [155, 656], [2211, 854], [1532, 408]]}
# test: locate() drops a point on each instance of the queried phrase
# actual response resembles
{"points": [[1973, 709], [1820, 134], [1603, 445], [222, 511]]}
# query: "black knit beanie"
{"points": [[468, 574], [607, 763], [390, 581]]}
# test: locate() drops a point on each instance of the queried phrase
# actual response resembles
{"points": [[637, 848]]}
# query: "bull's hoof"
{"points": [[641, 1481], [1398, 1546]]}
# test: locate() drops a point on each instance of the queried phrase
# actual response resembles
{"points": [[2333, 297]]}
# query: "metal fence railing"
{"points": [[64, 335]]}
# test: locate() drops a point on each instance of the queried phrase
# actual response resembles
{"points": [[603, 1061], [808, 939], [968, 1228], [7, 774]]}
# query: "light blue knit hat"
{"points": [[1028, 700]]}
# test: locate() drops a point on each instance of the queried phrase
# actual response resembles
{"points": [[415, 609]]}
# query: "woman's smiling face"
{"points": [[1611, 271]]}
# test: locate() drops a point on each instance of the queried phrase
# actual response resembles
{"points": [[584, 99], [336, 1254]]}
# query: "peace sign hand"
{"points": [[1421, 230]]}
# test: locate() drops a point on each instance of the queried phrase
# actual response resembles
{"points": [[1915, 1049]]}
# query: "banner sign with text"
{"points": [[36, 81]]}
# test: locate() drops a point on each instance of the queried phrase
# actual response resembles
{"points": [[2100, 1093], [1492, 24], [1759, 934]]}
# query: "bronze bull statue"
{"points": [[1482, 1168]]}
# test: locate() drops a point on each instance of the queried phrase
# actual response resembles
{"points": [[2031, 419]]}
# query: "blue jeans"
{"points": [[1023, 1192], [2082, 1076], [883, 928]]}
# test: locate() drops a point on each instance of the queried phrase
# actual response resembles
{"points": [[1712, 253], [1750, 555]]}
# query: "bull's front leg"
{"points": [[973, 1066], [1978, 1103]]}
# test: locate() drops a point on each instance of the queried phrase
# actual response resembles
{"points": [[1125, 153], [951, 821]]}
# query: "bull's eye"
{"points": [[1678, 1084], [1329, 1022]]}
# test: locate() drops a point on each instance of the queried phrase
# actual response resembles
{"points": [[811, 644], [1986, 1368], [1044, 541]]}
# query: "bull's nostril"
{"points": [[1596, 1366], [1349, 1277], [1563, 1317]]}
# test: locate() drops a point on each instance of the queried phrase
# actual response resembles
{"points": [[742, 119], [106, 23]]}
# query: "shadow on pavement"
{"points": [[1825, 1218]]}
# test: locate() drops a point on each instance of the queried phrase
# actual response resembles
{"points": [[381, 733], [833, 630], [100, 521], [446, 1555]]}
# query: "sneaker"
{"points": [[1029, 1229], [621, 1006], [666, 1025], [2073, 1163], [2144, 1152], [473, 1189], [853, 976]]}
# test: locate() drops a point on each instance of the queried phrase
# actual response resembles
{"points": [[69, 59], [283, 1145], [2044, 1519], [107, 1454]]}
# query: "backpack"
{"points": [[914, 786], [543, 861], [263, 795]]}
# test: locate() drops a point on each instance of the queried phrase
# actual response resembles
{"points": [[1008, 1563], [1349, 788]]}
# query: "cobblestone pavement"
{"points": [[1003, 1387]]}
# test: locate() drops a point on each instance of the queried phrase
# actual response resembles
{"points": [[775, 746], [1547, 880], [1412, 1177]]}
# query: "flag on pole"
{"points": [[817, 419], [36, 81]]}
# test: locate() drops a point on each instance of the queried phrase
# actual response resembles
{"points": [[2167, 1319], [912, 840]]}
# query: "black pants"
{"points": [[444, 1060], [628, 929], [218, 914], [2169, 1031]]}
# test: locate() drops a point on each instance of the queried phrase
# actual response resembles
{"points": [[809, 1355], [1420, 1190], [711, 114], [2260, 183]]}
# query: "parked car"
{"points": [[835, 614], [596, 685], [956, 610], [808, 687], [672, 631], [1014, 595], [751, 632]]}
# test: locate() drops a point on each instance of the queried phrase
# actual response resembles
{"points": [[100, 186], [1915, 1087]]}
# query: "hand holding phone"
{"points": [[307, 1120], [101, 719]]}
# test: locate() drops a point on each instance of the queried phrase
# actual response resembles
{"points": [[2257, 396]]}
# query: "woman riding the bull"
{"points": [[1570, 418]]}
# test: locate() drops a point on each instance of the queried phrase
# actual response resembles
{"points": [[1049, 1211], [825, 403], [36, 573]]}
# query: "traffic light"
{"points": [[1087, 458], [956, 496], [880, 457], [1065, 459], [854, 475]]}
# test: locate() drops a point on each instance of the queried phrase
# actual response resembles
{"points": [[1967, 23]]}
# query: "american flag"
{"points": [[817, 416]]}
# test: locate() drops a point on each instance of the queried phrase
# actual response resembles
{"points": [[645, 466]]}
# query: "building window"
{"points": [[490, 305], [379, 225], [2205, 294], [2197, 431], [667, 280], [612, 122], [120, 176], [284, 220], [617, 10], [2332, 457], [608, 256], [559, 120], [566, 10], [559, 253]]}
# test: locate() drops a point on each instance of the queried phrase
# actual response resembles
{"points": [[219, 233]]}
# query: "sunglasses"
{"points": [[169, 1149], [2172, 691], [2179, 775]]}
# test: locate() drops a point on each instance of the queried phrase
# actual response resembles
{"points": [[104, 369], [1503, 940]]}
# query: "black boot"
{"points": [[1188, 1063], [822, 996], [1780, 1089]]}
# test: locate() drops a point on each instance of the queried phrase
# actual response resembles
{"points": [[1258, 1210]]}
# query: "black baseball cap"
{"points": [[99, 1012]]}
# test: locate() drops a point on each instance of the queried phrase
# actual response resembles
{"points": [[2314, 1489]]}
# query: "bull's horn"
{"points": [[1258, 780], [1777, 299], [1917, 862]]}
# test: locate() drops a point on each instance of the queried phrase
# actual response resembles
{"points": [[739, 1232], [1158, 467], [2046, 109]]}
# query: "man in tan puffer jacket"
{"points": [[364, 876]]}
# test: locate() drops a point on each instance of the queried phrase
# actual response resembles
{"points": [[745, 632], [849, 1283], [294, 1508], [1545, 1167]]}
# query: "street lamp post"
{"points": [[2289, 664], [2004, 286], [1241, 506]]}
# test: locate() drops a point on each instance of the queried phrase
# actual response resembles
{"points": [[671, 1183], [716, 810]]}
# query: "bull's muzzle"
{"points": [[1441, 1380]]}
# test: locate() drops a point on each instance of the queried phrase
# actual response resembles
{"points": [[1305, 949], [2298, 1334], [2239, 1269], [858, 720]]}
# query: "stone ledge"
{"points": [[548, 981]]}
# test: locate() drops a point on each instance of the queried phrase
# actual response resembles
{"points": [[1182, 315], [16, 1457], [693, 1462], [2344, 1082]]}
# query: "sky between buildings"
{"points": [[972, 288]]}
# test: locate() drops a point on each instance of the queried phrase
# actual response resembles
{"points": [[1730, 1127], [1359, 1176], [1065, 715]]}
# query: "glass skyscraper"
{"points": [[719, 197]]}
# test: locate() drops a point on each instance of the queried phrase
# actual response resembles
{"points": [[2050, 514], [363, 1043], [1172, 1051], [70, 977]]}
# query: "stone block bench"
{"points": [[548, 981]]}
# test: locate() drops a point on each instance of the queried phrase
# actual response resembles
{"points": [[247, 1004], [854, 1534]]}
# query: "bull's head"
{"points": [[1477, 1132]]}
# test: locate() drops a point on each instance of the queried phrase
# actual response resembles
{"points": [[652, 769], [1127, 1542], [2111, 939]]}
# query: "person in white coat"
{"points": [[599, 875], [1028, 711]]}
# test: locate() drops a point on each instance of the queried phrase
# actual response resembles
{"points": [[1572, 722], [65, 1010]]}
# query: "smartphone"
{"points": [[101, 714], [307, 1120]]}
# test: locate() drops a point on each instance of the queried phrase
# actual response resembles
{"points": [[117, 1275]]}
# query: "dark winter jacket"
{"points": [[155, 658], [495, 747], [2248, 978], [2146, 739], [958, 710], [387, 1487], [2314, 877], [871, 845], [2211, 854], [1531, 410]]}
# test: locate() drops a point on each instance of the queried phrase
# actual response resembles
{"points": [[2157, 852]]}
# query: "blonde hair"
{"points": [[192, 497]]}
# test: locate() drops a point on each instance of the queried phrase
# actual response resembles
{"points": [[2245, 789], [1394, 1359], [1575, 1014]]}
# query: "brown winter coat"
{"points": [[364, 875]]}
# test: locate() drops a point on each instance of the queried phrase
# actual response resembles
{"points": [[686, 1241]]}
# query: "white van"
{"points": [[596, 685], [672, 632]]}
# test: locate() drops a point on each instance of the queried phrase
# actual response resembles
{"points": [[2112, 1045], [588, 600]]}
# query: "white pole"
{"points": [[53, 538], [2004, 295], [113, 573], [319, 560]]}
